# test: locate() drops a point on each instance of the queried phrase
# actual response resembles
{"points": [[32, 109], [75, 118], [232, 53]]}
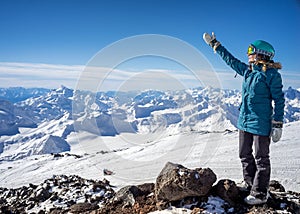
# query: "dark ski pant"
{"points": [[257, 168]]}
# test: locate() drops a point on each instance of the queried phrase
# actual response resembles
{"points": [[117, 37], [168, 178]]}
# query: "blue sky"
{"points": [[67, 34]]}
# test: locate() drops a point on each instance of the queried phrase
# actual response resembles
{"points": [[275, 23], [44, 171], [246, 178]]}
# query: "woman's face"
{"points": [[251, 58]]}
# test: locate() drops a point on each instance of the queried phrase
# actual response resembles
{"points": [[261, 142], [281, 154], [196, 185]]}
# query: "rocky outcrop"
{"points": [[175, 182], [173, 189], [73, 194], [58, 194]]}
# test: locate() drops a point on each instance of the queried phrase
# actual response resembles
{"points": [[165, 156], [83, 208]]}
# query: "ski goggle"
{"points": [[251, 50]]}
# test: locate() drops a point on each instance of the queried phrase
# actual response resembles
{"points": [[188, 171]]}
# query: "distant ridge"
{"points": [[59, 112], [17, 94]]}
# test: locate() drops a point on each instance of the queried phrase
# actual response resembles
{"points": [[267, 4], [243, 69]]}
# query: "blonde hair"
{"points": [[268, 64]]}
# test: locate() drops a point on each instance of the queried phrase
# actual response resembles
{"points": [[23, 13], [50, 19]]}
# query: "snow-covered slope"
{"points": [[48, 137], [134, 160]]}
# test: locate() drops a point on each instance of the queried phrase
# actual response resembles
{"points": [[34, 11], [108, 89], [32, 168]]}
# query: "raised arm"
{"points": [[230, 60]]}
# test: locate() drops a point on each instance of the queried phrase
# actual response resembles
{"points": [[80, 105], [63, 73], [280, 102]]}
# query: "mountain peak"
{"points": [[65, 91], [291, 93]]}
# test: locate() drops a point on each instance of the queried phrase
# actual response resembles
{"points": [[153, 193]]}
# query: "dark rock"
{"points": [[107, 172], [228, 191], [176, 182], [41, 212], [99, 185], [276, 186], [77, 156], [127, 195], [106, 182], [57, 155], [132, 199], [146, 189], [30, 205], [83, 207], [58, 211]]}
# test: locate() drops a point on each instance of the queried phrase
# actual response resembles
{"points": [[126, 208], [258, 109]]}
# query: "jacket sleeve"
{"points": [[275, 84], [230, 60]]}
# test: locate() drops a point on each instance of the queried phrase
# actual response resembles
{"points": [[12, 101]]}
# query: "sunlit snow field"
{"points": [[136, 159]]}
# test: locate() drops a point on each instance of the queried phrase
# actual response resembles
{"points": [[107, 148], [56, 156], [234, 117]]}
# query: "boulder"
{"points": [[275, 186], [228, 191], [131, 199], [176, 182], [127, 195]]}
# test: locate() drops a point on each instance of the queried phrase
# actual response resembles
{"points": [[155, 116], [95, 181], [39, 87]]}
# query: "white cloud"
{"points": [[14, 74], [99, 79], [95, 78], [38, 75]]}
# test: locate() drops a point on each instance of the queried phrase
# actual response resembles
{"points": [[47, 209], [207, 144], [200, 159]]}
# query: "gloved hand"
{"points": [[276, 131], [211, 40]]}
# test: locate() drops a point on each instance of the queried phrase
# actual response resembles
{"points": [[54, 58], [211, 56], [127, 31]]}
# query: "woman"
{"points": [[258, 122]]}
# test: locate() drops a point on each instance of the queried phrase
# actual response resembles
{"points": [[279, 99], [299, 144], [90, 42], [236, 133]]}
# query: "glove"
{"points": [[211, 40], [276, 131]]}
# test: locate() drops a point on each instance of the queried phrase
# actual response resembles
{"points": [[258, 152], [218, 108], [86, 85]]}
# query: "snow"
{"points": [[135, 160], [46, 138], [214, 205]]}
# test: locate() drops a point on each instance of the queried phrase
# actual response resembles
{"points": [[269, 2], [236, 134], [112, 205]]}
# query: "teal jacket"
{"points": [[259, 89]]}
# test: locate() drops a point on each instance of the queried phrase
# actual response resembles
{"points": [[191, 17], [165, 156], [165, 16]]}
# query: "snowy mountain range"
{"points": [[38, 121], [16, 94]]}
